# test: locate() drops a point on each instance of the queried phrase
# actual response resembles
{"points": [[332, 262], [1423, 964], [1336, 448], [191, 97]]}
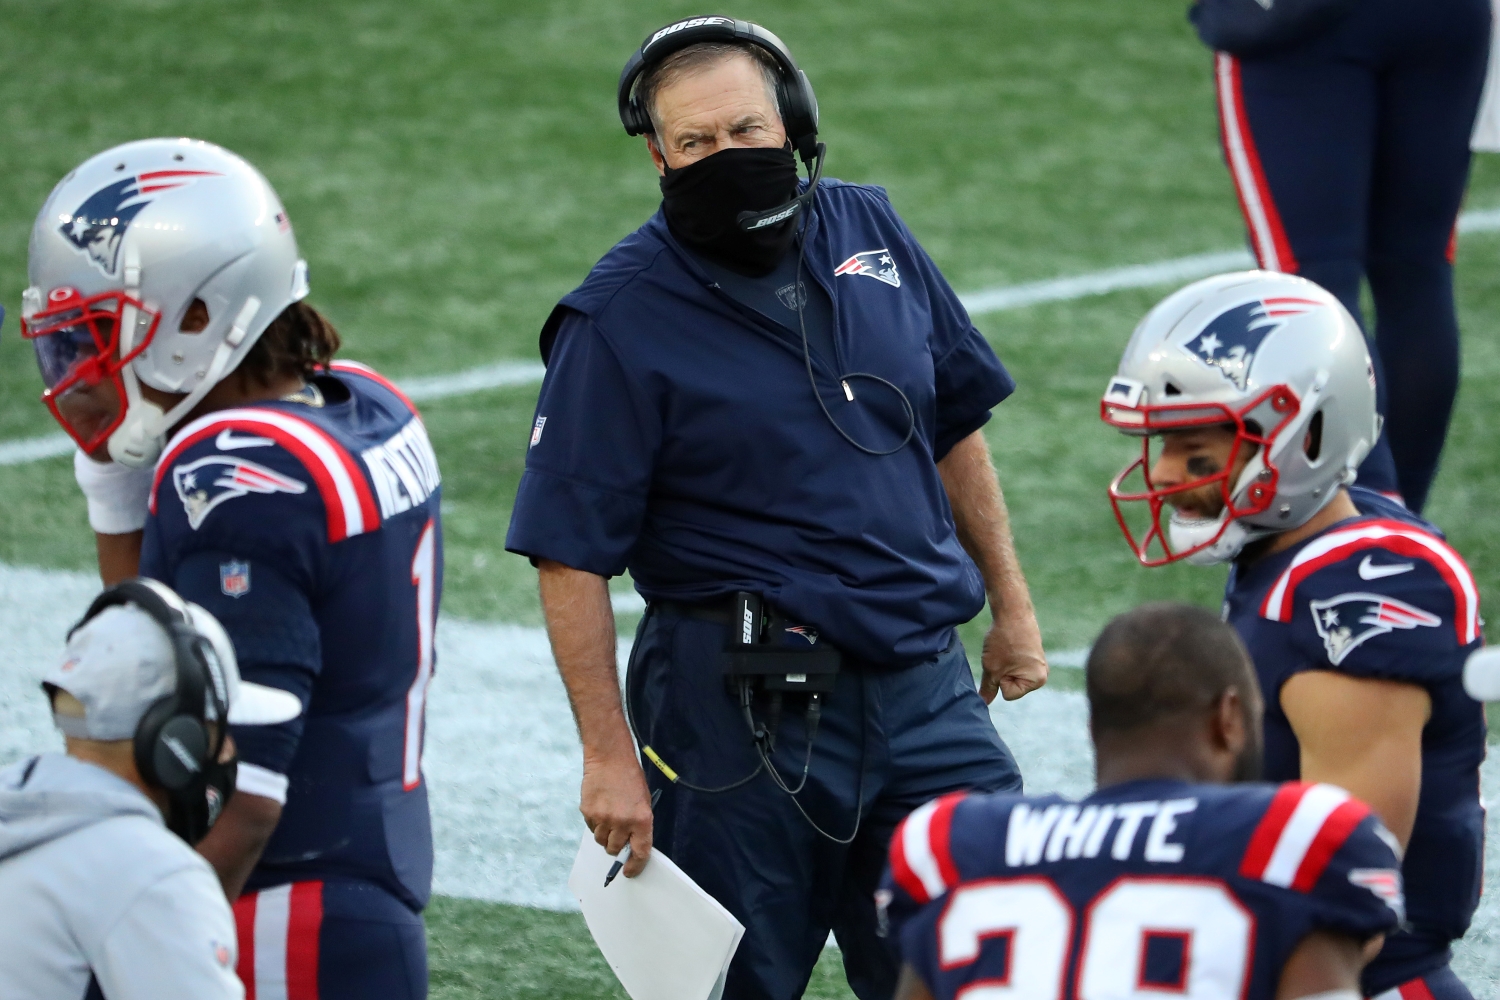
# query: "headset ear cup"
{"points": [[170, 749], [146, 732]]}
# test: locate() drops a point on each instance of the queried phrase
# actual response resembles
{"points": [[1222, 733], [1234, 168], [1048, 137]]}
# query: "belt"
{"points": [[721, 613]]}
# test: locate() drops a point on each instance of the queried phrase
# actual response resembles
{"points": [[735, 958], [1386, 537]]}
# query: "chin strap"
{"points": [[138, 441]]}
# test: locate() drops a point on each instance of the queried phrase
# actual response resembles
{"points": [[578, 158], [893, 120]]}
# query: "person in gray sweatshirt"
{"points": [[101, 893]]}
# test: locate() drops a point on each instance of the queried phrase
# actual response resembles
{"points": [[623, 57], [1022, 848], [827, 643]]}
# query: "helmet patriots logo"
{"points": [[98, 226], [1229, 342], [1346, 621], [204, 484]]}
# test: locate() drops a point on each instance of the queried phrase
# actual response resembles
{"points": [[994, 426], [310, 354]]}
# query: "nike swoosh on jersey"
{"points": [[226, 441], [1369, 571]]}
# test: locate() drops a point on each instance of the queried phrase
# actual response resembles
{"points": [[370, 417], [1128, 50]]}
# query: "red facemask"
{"points": [[1151, 542], [77, 342]]}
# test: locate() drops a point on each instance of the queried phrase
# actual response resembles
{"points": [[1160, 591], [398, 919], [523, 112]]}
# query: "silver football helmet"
{"points": [[1276, 358], [122, 248]]}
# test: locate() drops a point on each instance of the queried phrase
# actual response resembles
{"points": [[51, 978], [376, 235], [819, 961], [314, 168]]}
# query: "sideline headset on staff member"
{"points": [[799, 115], [175, 748]]}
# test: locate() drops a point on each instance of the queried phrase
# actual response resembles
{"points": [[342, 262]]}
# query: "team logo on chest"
{"points": [[877, 264], [1346, 621], [1229, 342], [204, 484]]}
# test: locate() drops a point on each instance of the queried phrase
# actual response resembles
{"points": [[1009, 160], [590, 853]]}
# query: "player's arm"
{"points": [[1013, 660], [614, 800], [235, 843], [1325, 963], [117, 499], [910, 985], [119, 556], [1363, 735]]}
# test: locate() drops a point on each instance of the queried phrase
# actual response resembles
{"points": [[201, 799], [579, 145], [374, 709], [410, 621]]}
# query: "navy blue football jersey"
{"points": [[1383, 596], [310, 527], [1144, 887]]}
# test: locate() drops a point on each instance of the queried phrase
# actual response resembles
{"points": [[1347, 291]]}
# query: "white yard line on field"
{"points": [[988, 300], [21, 450]]}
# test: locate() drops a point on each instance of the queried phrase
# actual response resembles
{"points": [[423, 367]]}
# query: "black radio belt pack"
{"points": [[753, 656]]}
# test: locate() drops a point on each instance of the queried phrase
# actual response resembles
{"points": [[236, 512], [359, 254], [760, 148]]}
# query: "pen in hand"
{"points": [[624, 854]]}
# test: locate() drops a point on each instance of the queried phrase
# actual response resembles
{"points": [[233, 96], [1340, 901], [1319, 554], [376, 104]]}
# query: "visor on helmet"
{"points": [[77, 344], [1143, 509]]}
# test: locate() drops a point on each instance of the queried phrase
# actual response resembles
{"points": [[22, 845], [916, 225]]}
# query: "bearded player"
{"points": [[1254, 398], [1165, 880], [293, 496]]}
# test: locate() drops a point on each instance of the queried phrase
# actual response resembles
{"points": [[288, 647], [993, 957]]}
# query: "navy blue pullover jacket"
{"points": [[677, 435]]}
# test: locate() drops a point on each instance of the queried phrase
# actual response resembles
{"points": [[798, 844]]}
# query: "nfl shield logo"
{"points": [[234, 578]]}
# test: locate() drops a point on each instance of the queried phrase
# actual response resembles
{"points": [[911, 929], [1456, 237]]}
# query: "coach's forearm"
{"points": [[581, 625], [983, 524]]}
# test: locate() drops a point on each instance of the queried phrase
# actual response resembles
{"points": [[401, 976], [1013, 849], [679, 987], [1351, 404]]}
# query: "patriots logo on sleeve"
{"points": [[98, 226], [1385, 883], [1229, 342], [204, 484], [878, 264], [1346, 621]]}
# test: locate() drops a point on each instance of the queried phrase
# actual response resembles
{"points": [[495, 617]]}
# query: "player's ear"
{"points": [[1228, 730]]}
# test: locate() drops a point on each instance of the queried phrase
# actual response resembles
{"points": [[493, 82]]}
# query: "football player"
{"points": [[1164, 880], [293, 496], [1254, 398]]}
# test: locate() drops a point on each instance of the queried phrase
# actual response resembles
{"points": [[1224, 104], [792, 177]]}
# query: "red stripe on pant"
{"points": [[278, 930], [1273, 250], [1415, 989], [244, 927], [303, 930]]}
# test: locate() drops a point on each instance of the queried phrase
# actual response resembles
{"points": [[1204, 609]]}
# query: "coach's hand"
{"points": [[1013, 661], [617, 807]]}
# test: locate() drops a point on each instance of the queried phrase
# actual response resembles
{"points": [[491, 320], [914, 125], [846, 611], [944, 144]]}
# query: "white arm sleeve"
{"points": [[177, 939], [255, 780], [118, 495]]}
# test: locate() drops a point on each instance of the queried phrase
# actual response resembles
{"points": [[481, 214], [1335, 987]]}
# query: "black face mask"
{"points": [[703, 201], [194, 812]]}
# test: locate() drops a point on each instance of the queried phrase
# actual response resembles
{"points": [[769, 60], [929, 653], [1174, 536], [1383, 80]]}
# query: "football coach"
{"points": [[766, 404]]}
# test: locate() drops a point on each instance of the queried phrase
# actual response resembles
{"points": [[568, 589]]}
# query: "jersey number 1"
{"points": [[1211, 932], [423, 578]]}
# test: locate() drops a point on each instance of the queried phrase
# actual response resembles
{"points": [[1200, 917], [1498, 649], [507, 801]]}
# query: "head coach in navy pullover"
{"points": [[766, 405]]}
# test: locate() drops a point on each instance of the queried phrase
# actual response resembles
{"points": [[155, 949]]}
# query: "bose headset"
{"points": [[175, 750], [799, 108], [799, 115]]}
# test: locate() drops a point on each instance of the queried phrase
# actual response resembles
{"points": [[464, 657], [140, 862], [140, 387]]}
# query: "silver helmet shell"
{"points": [[1276, 352], [168, 221]]}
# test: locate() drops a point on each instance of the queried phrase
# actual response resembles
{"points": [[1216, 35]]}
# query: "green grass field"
{"points": [[452, 167]]}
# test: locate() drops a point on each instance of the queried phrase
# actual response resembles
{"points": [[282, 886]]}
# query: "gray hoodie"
{"points": [[97, 896]]}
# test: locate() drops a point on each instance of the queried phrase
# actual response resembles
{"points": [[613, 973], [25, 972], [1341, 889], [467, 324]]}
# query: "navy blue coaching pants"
{"points": [[889, 741], [1350, 153]]}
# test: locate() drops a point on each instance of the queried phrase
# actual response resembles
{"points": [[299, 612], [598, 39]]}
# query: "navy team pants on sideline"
{"points": [[330, 940], [1350, 153], [1440, 984], [889, 741]]}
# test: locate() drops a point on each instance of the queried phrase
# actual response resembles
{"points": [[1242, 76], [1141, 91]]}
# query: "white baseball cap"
{"points": [[120, 662]]}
